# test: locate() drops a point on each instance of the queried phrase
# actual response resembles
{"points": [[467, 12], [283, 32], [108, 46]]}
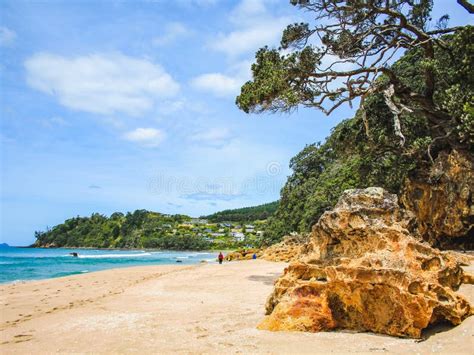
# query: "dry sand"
{"points": [[181, 309]]}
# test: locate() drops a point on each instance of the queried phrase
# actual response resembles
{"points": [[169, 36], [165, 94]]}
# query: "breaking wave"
{"points": [[108, 256]]}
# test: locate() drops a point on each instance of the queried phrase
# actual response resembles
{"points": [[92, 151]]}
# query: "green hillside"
{"points": [[245, 214], [365, 151], [145, 229]]}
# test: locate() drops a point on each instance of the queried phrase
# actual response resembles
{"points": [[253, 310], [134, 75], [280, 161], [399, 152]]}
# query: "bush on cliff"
{"points": [[365, 151]]}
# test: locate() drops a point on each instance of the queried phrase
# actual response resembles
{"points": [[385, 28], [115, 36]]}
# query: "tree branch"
{"points": [[396, 111], [468, 6]]}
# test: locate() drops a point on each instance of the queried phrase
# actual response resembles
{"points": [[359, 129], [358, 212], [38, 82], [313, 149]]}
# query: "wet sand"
{"points": [[205, 308]]}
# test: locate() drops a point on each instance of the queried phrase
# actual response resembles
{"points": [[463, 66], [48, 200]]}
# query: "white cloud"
{"points": [[255, 27], [215, 136], [147, 137], [248, 8], [243, 69], [218, 84], [7, 36], [172, 31], [101, 83], [224, 85], [249, 39]]}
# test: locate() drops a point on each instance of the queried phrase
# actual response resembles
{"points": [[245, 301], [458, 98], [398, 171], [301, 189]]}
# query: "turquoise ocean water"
{"points": [[17, 264]]}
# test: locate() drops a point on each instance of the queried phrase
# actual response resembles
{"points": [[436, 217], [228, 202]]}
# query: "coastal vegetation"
{"points": [[246, 214], [411, 110], [371, 261], [146, 229], [413, 82], [377, 195]]}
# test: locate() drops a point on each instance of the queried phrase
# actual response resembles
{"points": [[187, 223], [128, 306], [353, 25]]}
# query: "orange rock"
{"points": [[289, 249], [242, 254], [364, 268], [442, 203]]}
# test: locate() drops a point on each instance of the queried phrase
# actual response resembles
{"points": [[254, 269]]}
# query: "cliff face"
{"points": [[364, 268], [444, 205], [289, 249]]}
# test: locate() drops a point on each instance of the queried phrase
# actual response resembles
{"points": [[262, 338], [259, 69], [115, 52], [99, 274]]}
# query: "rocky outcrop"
{"points": [[444, 203], [242, 254], [289, 249], [365, 269]]}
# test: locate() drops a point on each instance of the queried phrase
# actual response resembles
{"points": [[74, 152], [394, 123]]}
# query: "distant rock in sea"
{"points": [[4, 245]]}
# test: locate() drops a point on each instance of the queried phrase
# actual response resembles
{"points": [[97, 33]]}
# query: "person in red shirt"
{"points": [[220, 257]]}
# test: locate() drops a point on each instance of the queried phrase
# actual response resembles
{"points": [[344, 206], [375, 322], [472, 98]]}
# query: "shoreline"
{"points": [[125, 249], [28, 281], [161, 262], [129, 274], [200, 308]]}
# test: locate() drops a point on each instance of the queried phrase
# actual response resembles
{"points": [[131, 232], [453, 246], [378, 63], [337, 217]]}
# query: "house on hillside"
{"points": [[218, 234], [249, 228], [198, 221], [238, 236]]}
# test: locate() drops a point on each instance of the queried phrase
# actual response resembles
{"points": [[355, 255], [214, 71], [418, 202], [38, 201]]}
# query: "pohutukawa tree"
{"points": [[346, 55]]}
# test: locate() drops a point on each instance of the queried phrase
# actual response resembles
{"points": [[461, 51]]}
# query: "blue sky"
{"points": [[122, 105]]}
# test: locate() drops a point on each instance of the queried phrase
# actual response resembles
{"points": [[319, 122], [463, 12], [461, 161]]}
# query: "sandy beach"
{"points": [[204, 308]]}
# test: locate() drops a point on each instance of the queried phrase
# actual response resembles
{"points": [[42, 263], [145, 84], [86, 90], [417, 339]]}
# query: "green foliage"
{"points": [[144, 229], [246, 214], [140, 229], [346, 53], [322, 172], [455, 68], [363, 151], [272, 89], [362, 34]]}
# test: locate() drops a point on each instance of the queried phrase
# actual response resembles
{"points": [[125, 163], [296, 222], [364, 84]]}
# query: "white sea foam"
{"points": [[107, 256], [15, 282]]}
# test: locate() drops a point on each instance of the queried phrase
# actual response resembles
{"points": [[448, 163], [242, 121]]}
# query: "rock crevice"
{"points": [[444, 203]]}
